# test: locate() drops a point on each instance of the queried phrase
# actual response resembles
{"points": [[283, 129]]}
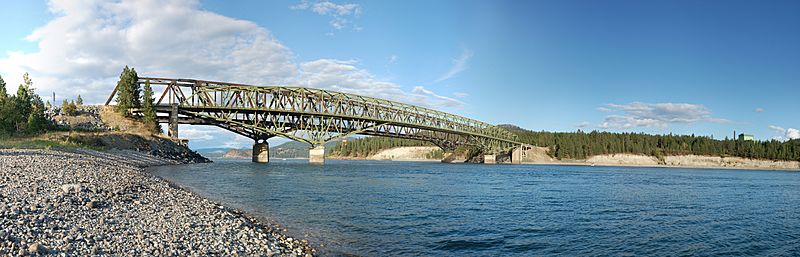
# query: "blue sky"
{"points": [[702, 67]]}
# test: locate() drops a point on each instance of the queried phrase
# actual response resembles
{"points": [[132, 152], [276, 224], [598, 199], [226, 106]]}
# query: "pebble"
{"points": [[36, 248], [83, 202]]}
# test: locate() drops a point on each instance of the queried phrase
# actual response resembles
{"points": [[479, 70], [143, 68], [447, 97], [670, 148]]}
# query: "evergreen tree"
{"points": [[22, 105], [37, 120], [125, 92], [8, 116], [69, 108], [136, 91], [3, 93], [4, 128], [148, 110], [79, 101]]}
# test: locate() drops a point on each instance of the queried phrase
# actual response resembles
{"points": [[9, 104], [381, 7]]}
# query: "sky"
{"points": [[683, 67]]}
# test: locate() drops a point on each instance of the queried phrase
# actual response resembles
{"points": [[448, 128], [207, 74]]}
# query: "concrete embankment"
{"points": [[84, 202]]}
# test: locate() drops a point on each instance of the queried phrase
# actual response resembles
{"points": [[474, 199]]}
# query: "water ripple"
{"points": [[430, 209]]}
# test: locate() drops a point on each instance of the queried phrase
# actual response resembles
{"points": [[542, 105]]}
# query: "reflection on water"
{"points": [[378, 208]]}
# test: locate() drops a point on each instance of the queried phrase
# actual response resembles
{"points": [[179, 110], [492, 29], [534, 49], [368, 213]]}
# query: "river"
{"points": [[380, 208]]}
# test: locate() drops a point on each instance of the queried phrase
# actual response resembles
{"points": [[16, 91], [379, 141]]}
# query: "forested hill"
{"points": [[580, 145], [366, 146]]}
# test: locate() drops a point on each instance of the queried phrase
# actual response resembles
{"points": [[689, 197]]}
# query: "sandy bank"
{"points": [[406, 153], [84, 203], [680, 161]]}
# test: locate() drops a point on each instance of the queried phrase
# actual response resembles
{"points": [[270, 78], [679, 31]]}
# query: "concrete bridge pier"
{"points": [[261, 152], [173, 122], [489, 159], [316, 155], [519, 153]]}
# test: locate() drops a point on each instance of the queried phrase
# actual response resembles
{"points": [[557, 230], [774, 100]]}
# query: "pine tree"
{"points": [[6, 108], [37, 120], [148, 110], [125, 93], [79, 101], [67, 109], [3, 93], [22, 105], [136, 91]]}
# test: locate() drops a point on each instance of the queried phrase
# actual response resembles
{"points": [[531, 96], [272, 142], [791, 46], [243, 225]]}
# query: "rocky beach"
{"points": [[83, 202]]}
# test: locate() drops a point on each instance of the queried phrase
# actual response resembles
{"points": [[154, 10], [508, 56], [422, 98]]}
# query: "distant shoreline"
{"points": [[654, 166]]}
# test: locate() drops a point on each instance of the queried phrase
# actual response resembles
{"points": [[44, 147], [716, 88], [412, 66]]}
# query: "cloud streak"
{"points": [[661, 115], [459, 65], [340, 13]]}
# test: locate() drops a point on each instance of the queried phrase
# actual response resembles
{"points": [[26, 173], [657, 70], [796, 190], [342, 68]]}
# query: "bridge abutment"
{"points": [[261, 152], [489, 159], [316, 155]]}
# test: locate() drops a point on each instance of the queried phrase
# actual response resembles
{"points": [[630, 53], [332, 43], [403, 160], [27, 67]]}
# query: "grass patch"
{"points": [[44, 143]]}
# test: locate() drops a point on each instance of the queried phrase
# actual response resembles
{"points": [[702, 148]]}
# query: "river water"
{"points": [[380, 208]]}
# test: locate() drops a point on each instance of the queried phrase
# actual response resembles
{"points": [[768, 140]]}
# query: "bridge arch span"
{"points": [[314, 116]]}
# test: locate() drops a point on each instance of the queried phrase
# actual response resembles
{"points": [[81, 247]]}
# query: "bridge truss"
{"points": [[315, 116]]}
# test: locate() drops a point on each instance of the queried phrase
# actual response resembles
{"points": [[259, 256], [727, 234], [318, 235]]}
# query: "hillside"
{"points": [[582, 145]]}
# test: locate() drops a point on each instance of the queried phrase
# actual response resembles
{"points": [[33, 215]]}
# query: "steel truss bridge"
{"points": [[314, 116]]}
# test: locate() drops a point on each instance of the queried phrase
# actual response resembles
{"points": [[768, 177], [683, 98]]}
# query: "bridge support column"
{"points": [[173, 122], [489, 159], [261, 152], [316, 155], [516, 155]]}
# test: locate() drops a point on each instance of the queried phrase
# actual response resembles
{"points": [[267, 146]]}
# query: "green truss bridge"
{"points": [[316, 116]]}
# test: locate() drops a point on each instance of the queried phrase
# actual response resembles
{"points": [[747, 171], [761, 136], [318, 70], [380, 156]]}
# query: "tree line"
{"points": [[22, 113], [580, 145], [366, 146]]}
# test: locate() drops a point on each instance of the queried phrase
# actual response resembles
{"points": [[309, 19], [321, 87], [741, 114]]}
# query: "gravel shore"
{"points": [[84, 202]]}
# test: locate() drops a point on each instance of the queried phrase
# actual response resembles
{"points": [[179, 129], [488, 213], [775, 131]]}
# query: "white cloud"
{"points": [[584, 124], [785, 134], [83, 49], [638, 114], [392, 59], [238, 142], [340, 13], [459, 65], [198, 133], [344, 76], [759, 110], [792, 133]]}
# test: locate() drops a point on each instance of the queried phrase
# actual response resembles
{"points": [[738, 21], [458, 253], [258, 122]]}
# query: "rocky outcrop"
{"points": [[406, 153], [154, 146], [238, 154]]}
